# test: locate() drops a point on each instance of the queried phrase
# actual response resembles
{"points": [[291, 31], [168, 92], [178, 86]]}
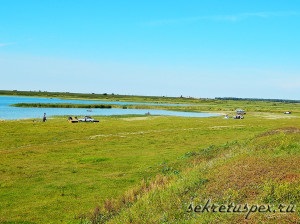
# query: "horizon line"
{"points": [[166, 96]]}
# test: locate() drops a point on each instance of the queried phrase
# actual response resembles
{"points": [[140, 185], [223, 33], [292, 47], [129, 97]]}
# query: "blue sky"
{"points": [[196, 48]]}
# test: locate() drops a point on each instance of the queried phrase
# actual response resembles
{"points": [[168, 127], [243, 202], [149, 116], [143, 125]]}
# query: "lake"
{"points": [[8, 112]]}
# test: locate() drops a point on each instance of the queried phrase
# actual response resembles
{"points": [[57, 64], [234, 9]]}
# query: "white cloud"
{"points": [[5, 44], [242, 16], [225, 18]]}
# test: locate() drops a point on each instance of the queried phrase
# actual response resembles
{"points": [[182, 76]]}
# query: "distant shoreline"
{"points": [[141, 98]]}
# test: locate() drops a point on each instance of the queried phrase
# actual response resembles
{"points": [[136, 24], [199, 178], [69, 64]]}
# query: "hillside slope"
{"points": [[253, 179]]}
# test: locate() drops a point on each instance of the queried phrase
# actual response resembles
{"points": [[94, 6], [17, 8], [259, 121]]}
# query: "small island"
{"points": [[62, 105]]}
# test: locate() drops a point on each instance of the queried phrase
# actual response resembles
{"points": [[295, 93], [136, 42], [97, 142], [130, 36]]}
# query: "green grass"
{"points": [[243, 173], [146, 169]]}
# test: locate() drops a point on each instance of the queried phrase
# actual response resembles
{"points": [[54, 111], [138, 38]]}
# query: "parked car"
{"points": [[87, 119], [240, 112]]}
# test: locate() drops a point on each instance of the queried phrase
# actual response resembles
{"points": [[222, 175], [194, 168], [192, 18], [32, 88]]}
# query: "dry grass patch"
{"points": [[286, 130], [135, 118], [247, 173]]}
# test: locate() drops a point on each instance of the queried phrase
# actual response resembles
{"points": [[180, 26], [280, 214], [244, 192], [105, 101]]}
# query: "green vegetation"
{"points": [[93, 96], [61, 105], [149, 169], [226, 105], [261, 171]]}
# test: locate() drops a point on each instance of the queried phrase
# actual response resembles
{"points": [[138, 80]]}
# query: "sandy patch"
{"points": [[135, 118], [274, 116], [124, 134], [227, 126]]}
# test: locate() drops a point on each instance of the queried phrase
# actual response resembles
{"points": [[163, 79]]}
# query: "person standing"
{"points": [[44, 117]]}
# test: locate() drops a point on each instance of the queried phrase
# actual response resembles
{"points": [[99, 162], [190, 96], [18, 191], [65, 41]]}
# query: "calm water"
{"points": [[8, 112]]}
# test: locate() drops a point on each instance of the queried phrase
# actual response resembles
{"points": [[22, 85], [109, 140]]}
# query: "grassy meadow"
{"points": [[150, 169]]}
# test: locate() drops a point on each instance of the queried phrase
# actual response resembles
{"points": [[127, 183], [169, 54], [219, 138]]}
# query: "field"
{"points": [[152, 169]]}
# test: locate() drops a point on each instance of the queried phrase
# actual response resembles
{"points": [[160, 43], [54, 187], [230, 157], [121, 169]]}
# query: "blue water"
{"points": [[8, 112]]}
